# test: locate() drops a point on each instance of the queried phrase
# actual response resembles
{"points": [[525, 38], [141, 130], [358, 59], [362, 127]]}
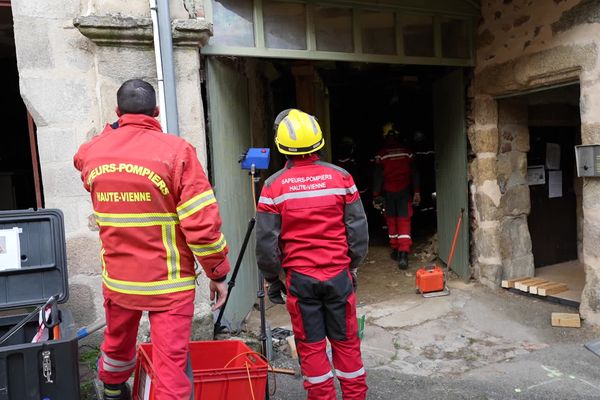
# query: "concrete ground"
{"points": [[475, 343]]}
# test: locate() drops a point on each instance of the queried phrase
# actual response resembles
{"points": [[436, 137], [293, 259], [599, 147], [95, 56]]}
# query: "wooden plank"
{"points": [[292, 344], [558, 288], [534, 289], [510, 283], [566, 320], [524, 285], [525, 281]]}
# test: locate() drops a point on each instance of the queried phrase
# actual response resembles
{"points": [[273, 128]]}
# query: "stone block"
{"points": [[489, 275], [128, 8], [591, 232], [591, 193], [513, 112], [47, 8], [521, 140], [590, 132], [122, 63], [83, 255], [203, 323], [61, 180], [515, 240], [483, 169], [483, 140], [590, 296], [33, 46], [485, 110], [518, 267], [55, 100], [57, 144], [590, 103], [486, 207], [487, 244], [516, 201]]}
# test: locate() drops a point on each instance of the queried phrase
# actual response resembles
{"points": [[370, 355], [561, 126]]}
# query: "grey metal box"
{"points": [[588, 160]]}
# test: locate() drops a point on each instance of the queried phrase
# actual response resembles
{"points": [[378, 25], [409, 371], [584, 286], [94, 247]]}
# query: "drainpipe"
{"points": [[165, 71]]}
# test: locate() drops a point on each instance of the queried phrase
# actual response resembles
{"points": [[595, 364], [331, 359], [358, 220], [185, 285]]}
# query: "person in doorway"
{"points": [[311, 223], [395, 190], [156, 210]]}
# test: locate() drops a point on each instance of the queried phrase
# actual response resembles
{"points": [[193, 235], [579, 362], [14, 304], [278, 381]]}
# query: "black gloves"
{"points": [[379, 203], [354, 274], [276, 289]]}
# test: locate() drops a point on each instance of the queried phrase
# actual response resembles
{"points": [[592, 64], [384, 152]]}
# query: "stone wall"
{"points": [[524, 45], [69, 81]]}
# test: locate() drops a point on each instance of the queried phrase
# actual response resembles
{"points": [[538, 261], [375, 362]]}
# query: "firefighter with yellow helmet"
{"points": [[312, 225], [395, 190]]}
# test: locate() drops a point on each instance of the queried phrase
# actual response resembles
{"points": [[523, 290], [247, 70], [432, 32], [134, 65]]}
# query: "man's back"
{"points": [[136, 175], [310, 196]]}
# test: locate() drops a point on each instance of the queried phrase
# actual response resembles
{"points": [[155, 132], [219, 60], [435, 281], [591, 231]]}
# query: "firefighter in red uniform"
{"points": [[311, 223], [156, 211], [396, 189]]}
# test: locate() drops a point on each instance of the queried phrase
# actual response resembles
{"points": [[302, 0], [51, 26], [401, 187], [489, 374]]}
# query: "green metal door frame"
{"points": [[230, 135], [466, 10], [451, 169]]}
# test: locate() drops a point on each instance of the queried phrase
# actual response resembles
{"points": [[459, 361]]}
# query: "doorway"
{"points": [[352, 101], [555, 219], [20, 183]]}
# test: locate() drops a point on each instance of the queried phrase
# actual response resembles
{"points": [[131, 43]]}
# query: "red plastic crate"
{"points": [[219, 369]]}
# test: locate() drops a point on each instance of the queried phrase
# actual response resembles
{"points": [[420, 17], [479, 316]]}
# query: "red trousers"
{"points": [[399, 233], [170, 334], [321, 309]]}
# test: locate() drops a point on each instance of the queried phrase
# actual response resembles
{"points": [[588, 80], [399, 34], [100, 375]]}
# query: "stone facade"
{"points": [[524, 45], [72, 56]]}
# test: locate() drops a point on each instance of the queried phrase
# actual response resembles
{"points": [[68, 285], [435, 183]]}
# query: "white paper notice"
{"points": [[10, 249], [552, 156], [554, 184], [536, 175]]}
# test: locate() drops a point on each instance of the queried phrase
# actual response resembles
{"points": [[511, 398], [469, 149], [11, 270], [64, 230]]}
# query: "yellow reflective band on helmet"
{"points": [[195, 204], [173, 258], [149, 288], [136, 220], [202, 250]]}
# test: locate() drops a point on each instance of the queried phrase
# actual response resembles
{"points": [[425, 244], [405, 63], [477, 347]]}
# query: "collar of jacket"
{"points": [[296, 161], [140, 120]]}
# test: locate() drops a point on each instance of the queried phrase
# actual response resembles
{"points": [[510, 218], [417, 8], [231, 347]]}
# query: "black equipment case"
{"points": [[47, 370]]}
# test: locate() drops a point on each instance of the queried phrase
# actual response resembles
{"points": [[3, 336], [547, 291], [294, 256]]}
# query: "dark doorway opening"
{"points": [[20, 185]]}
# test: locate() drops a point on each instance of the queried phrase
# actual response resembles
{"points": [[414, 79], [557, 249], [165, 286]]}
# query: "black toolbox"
{"points": [[47, 370]]}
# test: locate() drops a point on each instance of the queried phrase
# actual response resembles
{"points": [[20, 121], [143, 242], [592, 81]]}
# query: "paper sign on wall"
{"points": [[10, 249], [554, 184], [552, 156], [536, 175]]}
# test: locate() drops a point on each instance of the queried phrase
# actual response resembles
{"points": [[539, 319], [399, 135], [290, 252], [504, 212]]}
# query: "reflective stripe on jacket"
{"points": [[394, 169], [155, 209], [310, 215]]}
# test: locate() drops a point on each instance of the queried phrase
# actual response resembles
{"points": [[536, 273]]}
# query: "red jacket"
{"points": [[156, 209], [395, 171], [310, 217]]}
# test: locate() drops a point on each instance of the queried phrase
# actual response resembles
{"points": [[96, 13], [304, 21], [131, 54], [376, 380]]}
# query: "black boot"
{"points": [[117, 392], [394, 254], [403, 260]]}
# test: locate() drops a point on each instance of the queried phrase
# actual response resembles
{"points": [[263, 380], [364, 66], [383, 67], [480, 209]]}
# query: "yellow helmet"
{"points": [[389, 129], [297, 132]]}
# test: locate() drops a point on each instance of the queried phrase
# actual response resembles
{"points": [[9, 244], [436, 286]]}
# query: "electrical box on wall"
{"points": [[588, 160]]}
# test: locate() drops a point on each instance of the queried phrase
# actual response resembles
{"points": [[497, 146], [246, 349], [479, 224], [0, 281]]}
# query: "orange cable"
{"points": [[249, 379], [265, 360]]}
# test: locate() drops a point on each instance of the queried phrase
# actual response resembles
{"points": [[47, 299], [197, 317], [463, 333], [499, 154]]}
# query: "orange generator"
{"points": [[431, 280]]}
